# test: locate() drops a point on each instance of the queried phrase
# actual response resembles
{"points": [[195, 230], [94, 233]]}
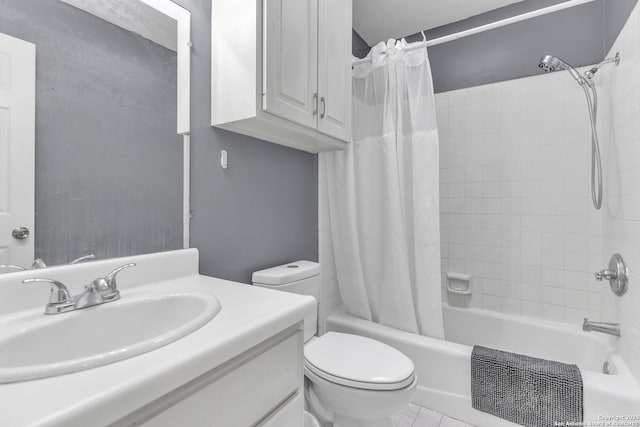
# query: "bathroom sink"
{"points": [[38, 346]]}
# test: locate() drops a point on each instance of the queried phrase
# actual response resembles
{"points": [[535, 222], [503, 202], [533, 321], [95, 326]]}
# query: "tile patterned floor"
{"points": [[415, 416]]}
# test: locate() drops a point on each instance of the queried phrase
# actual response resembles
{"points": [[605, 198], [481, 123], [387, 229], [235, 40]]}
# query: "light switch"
{"points": [[223, 159]]}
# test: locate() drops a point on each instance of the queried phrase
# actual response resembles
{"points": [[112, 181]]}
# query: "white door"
{"points": [[291, 60], [334, 68], [17, 152]]}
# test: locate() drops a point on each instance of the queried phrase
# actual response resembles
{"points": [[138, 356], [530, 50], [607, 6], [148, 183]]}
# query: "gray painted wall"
{"points": [[108, 160], [581, 35], [359, 47], [616, 14], [263, 210]]}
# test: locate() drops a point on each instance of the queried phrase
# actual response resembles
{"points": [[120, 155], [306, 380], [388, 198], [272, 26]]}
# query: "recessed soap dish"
{"points": [[459, 283]]}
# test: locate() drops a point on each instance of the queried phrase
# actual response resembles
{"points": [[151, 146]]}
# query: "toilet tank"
{"points": [[300, 277]]}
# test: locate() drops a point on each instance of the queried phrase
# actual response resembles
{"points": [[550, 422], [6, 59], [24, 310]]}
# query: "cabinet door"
{"points": [[291, 60], [238, 394], [290, 414], [334, 71]]}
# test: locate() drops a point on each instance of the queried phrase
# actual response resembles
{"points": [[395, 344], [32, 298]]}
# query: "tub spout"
{"points": [[605, 328]]}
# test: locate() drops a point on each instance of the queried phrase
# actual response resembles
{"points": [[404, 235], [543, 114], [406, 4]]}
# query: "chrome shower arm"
{"points": [[615, 59]]}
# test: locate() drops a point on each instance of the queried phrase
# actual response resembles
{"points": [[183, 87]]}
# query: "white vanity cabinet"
{"points": [[281, 71], [242, 368], [261, 387]]}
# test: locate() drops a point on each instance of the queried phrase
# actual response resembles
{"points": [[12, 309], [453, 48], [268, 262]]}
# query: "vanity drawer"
{"points": [[240, 393]]}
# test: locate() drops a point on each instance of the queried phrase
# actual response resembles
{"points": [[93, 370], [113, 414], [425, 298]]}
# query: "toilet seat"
{"points": [[358, 362]]}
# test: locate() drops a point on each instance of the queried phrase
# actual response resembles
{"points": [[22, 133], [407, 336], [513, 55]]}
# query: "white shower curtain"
{"points": [[384, 195]]}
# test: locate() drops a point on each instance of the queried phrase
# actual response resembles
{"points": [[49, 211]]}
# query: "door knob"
{"points": [[21, 233]]}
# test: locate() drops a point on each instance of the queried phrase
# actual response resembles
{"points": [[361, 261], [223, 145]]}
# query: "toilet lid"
{"points": [[359, 362]]}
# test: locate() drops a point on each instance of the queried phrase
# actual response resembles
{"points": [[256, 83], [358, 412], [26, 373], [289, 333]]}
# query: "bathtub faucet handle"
{"points": [[616, 274], [605, 274]]}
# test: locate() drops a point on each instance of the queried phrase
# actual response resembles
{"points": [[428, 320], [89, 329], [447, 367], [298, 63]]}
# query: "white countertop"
{"points": [[103, 395]]}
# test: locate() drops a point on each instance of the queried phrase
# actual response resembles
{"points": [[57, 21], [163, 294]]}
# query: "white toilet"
{"points": [[352, 381]]}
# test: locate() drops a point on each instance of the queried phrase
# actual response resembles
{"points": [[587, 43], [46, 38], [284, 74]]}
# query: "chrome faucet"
{"points": [[83, 258], [11, 267], [617, 275], [60, 300], [100, 291], [39, 263], [605, 328]]}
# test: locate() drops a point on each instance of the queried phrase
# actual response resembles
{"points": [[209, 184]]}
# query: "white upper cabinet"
{"points": [[281, 71], [334, 68], [291, 60]]}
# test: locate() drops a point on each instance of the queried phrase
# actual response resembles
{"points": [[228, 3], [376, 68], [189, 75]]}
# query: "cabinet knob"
{"points": [[315, 104], [324, 107]]}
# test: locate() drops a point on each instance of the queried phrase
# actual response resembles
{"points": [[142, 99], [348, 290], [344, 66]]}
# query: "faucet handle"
{"points": [[605, 274], [83, 258], [11, 267], [59, 292], [111, 277], [60, 299], [38, 263], [616, 274], [107, 286]]}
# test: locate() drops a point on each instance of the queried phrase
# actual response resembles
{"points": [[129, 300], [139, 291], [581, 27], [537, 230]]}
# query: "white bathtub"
{"points": [[444, 367]]}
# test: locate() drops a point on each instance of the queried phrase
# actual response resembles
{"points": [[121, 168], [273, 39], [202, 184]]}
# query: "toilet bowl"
{"points": [[350, 380], [360, 381]]}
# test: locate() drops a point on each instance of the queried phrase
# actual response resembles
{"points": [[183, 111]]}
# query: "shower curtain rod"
{"points": [[491, 26]]}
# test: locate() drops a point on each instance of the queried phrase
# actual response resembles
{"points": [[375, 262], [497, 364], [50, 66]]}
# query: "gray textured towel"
{"points": [[525, 390]]}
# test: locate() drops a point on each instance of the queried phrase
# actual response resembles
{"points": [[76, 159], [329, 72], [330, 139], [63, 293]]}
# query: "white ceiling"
{"points": [[134, 16], [380, 20]]}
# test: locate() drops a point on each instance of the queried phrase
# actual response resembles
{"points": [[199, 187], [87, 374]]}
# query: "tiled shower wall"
{"points": [[621, 209], [516, 211], [515, 204], [329, 293]]}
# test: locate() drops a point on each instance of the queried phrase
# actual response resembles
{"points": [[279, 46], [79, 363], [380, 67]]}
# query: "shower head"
{"points": [[550, 63]]}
